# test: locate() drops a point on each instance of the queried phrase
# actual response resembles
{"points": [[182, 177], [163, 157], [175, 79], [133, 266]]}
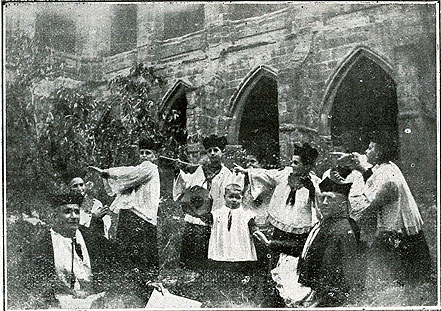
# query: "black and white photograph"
{"points": [[229, 155]]}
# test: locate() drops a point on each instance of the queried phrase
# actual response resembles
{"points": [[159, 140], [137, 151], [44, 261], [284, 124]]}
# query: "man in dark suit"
{"points": [[331, 260], [69, 261]]}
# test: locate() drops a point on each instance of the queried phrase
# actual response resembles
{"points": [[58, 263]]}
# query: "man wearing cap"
{"points": [[331, 260], [292, 208], [213, 176], [137, 190], [93, 215], [67, 263]]}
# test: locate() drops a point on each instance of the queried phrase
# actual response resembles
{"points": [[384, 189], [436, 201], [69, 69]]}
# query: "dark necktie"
{"points": [[77, 248], [230, 220], [210, 172], [291, 197]]}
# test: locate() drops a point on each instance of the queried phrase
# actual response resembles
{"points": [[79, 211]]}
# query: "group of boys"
{"points": [[316, 242]]}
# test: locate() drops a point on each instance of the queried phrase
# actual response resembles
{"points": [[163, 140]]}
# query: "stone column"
{"points": [[414, 139], [150, 31]]}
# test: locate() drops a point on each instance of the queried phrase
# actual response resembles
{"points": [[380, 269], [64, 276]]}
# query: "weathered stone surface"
{"points": [[308, 44]]}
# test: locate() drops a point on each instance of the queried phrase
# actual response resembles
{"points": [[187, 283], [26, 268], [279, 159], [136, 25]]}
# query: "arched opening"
{"points": [[259, 122], [364, 105], [174, 111], [177, 119]]}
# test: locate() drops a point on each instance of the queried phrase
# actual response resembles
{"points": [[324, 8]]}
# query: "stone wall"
{"points": [[305, 47]]}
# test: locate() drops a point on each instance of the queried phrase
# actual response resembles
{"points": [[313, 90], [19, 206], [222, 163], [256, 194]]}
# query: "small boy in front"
{"points": [[231, 242]]}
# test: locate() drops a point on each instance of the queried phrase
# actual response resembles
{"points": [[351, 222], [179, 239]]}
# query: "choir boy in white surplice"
{"points": [[137, 190], [292, 209], [213, 176], [230, 239]]}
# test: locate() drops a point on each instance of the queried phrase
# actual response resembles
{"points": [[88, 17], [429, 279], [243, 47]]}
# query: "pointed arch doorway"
{"points": [[363, 105], [174, 111], [255, 123]]}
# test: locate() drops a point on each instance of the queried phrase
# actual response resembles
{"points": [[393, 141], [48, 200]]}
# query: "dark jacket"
{"points": [[332, 264]]}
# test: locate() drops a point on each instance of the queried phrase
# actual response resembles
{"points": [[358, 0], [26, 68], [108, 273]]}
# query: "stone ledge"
{"points": [[291, 128]]}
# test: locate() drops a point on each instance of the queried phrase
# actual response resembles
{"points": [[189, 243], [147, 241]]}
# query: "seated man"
{"points": [[330, 263], [64, 263], [93, 215]]}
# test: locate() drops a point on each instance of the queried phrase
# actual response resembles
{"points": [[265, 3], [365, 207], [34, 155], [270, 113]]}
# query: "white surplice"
{"points": [[386, 192], [143, 184], [62, 247], [297, 218], [235, 244]]}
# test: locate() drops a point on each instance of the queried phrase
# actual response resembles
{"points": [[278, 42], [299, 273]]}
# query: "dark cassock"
{"points": [[331, 261]]}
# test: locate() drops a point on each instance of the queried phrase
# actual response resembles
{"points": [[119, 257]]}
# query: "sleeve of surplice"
{"points": [[127, 177], [375, 195], [262, 180], [182, 182], [356, 197]]}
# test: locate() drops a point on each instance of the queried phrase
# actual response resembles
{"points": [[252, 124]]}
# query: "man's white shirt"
{"points": [[62, 247]]}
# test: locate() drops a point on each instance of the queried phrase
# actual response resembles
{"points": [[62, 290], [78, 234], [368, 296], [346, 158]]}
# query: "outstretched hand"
{"points": [[102, 173], [158, 286], [336, 177], [356, 163], [238, 169], [102, 211]]}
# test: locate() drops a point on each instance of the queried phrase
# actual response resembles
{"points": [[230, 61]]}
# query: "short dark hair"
{"points": [[66, 198], [214, 141], [306, 152], [387, 146]]}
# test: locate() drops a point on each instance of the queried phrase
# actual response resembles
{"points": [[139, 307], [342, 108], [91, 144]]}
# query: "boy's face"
{"points": [[77, 186], [331, 203], [297, 165], [372, 153], [194, 157], [214, 155], [233, 198], [252, 162], [147, 155]]}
